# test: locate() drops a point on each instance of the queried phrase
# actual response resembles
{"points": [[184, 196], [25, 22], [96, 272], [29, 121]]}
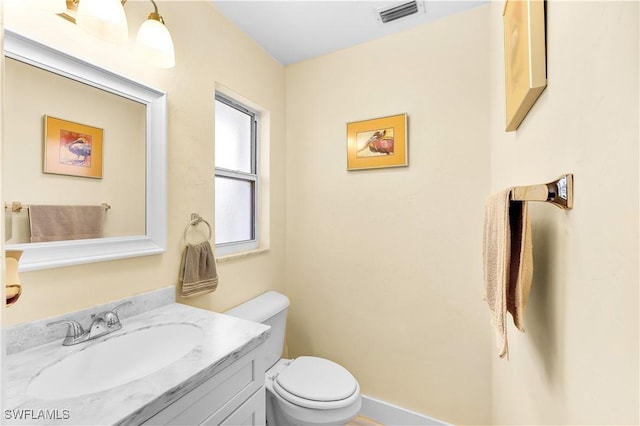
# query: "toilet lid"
{"points": [[316, 379]]}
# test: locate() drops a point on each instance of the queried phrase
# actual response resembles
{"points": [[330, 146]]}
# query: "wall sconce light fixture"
{"points": [[106, 19], [13, 286], [154, 40]]}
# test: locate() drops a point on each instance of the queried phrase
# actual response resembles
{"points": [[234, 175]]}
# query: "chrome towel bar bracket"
{"points": [[559, 192]]}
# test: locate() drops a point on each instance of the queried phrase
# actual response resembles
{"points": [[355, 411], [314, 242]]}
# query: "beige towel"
{"points": [[508, 263], [520, 262], [198, 273], [60, 223]]}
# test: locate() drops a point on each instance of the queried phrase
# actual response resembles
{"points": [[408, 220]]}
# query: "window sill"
{"points": [[238, 256]]}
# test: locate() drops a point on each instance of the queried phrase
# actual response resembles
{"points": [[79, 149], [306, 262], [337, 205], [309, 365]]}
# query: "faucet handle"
{"points": [[106, 322], [120, 306], [74, 331], [111, 318], [110, 314]]}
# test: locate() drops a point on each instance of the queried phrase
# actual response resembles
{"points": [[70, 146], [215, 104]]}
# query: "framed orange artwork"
{"points": [[377, 143], [72, 149], [524, 56]]}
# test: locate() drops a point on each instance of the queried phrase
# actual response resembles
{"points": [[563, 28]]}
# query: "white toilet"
{"points": [[306, 390]]}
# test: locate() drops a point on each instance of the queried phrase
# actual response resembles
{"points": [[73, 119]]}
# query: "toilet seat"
{"points": [[316, 383]]}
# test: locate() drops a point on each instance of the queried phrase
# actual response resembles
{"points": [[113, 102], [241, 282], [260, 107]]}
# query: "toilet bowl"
{"points": [[311, 391], [306, 390]]}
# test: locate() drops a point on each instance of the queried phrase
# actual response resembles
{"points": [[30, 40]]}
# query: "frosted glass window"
{"points": [[236, 176], [233, 138], [234, 218]]}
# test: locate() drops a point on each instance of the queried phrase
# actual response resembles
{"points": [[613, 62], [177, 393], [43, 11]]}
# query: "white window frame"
{"points": [[234, 247]]}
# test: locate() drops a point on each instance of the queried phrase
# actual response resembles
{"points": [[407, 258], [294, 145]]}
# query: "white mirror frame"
{"points": [[64, 253]]}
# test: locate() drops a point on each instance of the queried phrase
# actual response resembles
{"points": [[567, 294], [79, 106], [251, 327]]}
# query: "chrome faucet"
{"points": [[103, 323]]}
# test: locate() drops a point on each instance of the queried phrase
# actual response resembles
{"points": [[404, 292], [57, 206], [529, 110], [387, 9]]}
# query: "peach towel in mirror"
{"points": [[61, 223]]}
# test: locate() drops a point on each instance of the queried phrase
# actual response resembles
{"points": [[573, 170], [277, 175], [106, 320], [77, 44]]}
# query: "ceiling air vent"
{"points": [[399, 11]]}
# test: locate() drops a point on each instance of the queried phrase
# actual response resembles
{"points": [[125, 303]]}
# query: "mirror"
{"points": [[131, 177], [89, 161]]}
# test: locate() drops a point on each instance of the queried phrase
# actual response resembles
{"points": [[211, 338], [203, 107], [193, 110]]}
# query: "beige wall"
{"points": [[212, 52], [578, 361], [384, 266]]}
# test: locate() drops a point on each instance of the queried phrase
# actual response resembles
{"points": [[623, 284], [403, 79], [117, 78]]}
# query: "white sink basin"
{"points": [[115, 361]]}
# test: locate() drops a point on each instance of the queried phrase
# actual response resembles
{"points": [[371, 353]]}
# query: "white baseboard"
{"points": [[392, 415]]}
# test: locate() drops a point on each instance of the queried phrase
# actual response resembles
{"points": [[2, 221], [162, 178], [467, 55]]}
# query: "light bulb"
{"points": [[154, 42], [104, 19]]}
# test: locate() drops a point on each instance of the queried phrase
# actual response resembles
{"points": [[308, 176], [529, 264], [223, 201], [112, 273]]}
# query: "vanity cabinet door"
{"points": [[220, 397], [251, 413]]}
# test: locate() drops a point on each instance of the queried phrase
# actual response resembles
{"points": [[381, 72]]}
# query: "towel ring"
{"points": [[196, 219]]}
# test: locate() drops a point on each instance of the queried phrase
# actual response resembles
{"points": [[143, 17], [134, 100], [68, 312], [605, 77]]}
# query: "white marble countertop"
{"points": [[225, 339]]}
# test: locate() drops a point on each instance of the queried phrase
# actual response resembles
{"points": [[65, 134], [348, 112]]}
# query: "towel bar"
{"points": [[17, 206], [196, 219], [559, 192]]}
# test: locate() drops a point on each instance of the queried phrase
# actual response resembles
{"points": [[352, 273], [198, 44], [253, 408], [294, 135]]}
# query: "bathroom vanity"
{"points": [[235, 396], [172, 364]]}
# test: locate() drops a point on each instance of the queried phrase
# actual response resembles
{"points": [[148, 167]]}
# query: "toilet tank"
{"points": [[269, 308]]}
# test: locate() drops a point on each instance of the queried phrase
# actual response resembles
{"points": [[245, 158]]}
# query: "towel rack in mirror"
{"points": [[559, 192], [17, 206]]}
